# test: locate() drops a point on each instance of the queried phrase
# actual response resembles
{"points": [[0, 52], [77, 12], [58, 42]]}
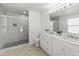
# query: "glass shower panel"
{"points": [[3, 36], [13, 29]]}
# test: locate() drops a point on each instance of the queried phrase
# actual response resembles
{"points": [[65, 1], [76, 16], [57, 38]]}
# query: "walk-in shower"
{"points": [[13, 30]]}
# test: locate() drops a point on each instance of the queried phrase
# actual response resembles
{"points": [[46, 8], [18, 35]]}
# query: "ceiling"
{"points": [[22, 7]]}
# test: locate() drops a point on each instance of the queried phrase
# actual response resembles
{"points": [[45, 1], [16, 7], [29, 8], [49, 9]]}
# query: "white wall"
{"points": [[34, 26], [63, 21], [38, 22], [44, 22]]}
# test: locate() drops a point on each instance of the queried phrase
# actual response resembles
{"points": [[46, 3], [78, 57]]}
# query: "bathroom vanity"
{"points": [[56, 45]]}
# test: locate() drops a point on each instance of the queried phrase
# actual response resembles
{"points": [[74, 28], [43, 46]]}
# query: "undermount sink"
{"points": [[64, 37], [51, 32], [69, 38]]}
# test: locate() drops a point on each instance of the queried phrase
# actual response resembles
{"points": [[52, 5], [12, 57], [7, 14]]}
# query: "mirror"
{"points": [[66, 20]]}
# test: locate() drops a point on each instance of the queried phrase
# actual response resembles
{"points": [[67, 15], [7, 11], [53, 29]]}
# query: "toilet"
{"points": [[37, 41]]}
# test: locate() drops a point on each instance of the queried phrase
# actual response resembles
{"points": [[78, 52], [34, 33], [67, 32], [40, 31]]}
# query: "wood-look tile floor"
{"points": [[23, 50]]}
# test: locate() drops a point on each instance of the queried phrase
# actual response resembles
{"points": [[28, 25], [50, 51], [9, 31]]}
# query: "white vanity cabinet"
{"points": [[45, 43], [62, 48], [58, 48]]}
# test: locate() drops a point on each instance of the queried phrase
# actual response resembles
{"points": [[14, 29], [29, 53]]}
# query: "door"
{"points": [[56, 26], [58, 48]]}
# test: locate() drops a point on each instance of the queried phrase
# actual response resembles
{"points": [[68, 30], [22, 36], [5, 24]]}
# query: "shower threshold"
{"points": [[7, 45]]}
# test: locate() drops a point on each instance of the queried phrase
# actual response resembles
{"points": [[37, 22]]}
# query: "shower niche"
{"points": [[14, 24], [13, 31]]}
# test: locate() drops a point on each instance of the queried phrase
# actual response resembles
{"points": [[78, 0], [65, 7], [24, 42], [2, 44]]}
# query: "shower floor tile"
{"points": [[23, 50]]}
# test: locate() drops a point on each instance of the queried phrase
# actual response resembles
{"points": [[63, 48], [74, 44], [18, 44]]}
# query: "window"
{"points": [[73, 25]]}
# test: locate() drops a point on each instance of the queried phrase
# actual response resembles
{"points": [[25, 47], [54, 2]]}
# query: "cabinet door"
{"points": [[75, 53], [58, 48], [70, 52]]}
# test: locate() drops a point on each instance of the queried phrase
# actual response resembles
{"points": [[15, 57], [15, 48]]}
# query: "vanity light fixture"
{"points": [[62, 7]]}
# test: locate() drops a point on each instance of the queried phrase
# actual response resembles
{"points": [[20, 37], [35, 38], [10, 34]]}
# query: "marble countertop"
{"points": [[63, 38]]}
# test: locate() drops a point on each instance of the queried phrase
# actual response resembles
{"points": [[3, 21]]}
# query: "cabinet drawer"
{"points": [[47, 43], [46, 48], [41, 42], [46, 40]]}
